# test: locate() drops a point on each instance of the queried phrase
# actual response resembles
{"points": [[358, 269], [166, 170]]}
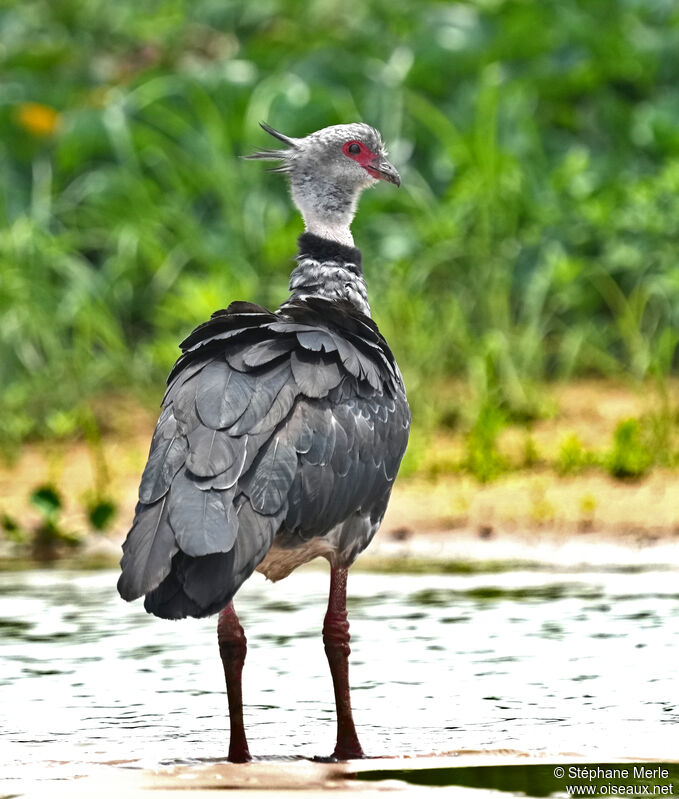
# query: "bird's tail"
{"points": [[197, 585]]}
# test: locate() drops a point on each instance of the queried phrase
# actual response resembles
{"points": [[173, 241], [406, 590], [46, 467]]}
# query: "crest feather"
{"points": [[278, 135], [275, 155]]}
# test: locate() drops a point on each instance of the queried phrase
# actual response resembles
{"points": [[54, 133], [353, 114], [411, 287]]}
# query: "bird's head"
{"points": [[347, 154], [328, 170]]}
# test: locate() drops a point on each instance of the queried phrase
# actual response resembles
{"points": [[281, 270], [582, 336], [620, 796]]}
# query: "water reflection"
{"points": [[542, 662]]}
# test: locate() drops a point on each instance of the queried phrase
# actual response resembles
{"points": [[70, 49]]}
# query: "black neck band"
{"points": [[321, 250]]}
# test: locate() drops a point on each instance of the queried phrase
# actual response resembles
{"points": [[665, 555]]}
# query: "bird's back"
{"points": [[279, 440]]}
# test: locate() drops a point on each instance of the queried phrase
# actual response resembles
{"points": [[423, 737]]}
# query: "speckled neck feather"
{"points": [[327, 206], [329, 269]]}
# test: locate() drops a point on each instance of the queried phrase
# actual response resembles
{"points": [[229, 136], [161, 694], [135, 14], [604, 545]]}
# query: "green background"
{"points": [[535, 236]]}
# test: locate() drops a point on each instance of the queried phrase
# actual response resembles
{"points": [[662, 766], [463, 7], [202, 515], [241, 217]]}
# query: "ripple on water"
{"points": [[514, 660]]}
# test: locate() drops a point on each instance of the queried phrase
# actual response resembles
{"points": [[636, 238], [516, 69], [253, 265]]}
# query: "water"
{"points": [[540, 662]]}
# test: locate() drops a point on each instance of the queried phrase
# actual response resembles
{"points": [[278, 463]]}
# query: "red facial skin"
{"points": [[364, 157]]}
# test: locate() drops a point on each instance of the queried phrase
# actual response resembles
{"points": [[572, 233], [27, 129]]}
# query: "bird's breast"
{"points": [[279, 561]]}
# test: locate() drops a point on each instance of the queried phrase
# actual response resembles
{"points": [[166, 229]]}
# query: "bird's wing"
{"points": [[293, 420]]}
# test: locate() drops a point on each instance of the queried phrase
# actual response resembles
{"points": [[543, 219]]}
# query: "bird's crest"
{"points": [[284, 156]]}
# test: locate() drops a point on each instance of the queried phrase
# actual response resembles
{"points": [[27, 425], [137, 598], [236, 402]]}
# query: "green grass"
{"points": [[535, 235], [630, 457], [573, 457]]}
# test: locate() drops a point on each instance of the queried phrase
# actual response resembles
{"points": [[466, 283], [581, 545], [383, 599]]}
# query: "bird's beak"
{"points": [[381, 169]]}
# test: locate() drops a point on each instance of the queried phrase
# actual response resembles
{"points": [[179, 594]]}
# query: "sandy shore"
{"points": [[454, 522], [464, 772]]}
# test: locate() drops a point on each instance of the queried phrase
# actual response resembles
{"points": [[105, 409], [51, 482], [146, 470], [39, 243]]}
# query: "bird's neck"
{"points": [[328, 268], [327, 207], [331, 231]]}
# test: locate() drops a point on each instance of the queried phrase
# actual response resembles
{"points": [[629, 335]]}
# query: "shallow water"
{"points": [[559, 663]]}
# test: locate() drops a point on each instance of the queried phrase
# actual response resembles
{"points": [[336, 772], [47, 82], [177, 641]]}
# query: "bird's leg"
{"points": [[336, 639], [232, 650]]}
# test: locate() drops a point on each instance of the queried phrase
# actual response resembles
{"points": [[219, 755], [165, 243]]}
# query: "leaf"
{"points": [[46, 499], [101, 514]]}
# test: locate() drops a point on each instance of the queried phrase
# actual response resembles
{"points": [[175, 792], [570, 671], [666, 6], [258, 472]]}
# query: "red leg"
{"points": [[232, 650], [336, 639]]}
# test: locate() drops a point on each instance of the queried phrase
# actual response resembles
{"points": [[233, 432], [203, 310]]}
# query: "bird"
{"points": [[281, 432]]}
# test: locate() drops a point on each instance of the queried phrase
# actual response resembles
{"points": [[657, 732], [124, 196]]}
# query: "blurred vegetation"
{"points": [[535, 236], [51, 537], [46, 539]]}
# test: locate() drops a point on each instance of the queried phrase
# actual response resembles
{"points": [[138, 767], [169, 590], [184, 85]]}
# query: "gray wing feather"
{"points": [[229, 477], [147, 551], [268, 387], [252, 445], [315, 374], [251, 548], [184, 405], [280, 408], [202, 579], [222, 394], [272, 425], [299, 427], [203, 585], [323, 439], [317, 340], [341, 454], [349, 468], [282, 325], [318, 486], [348, 355], [266, 351], [169, 600], [179, 379], [213, 452], [358, 364], [204, 522], [272, 476], [166, 457]]}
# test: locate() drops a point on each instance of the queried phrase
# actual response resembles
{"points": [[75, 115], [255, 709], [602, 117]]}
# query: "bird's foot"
{"points": [[239, 755], [348, 754], [341, 753]]}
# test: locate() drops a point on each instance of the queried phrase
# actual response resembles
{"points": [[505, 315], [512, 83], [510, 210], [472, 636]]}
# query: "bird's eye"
{"points": [[354, 148]]}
